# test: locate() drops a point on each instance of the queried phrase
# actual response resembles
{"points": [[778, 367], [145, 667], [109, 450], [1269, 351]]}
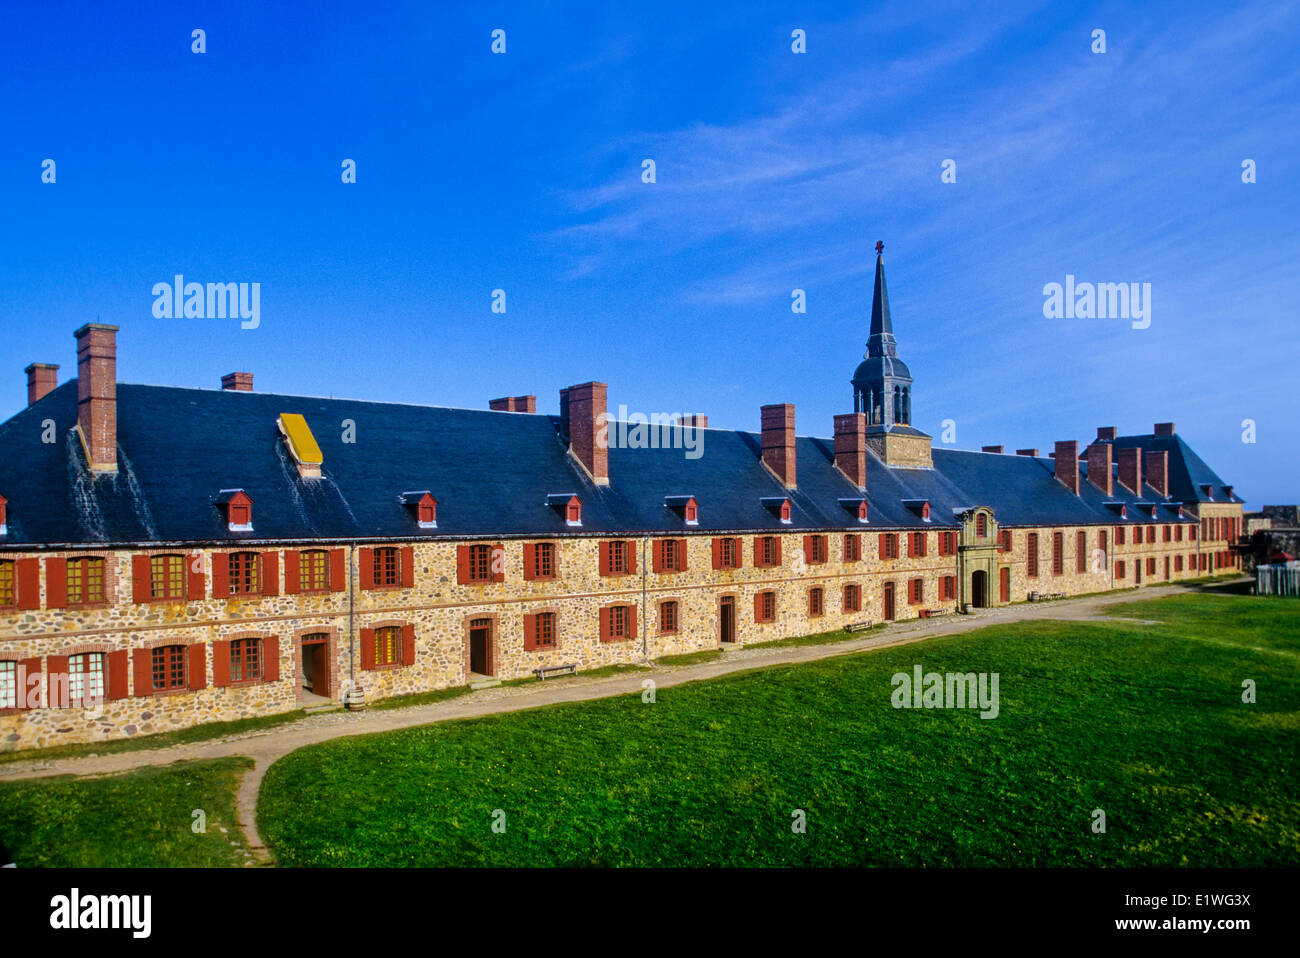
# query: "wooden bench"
{"points": [[934, 613], [857, 627], [569, 669]]}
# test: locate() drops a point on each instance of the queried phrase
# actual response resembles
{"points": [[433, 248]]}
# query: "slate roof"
{"points": [[491, 473]]}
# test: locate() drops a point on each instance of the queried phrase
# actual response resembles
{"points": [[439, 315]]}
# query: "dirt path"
{"points": [[268, 746]]}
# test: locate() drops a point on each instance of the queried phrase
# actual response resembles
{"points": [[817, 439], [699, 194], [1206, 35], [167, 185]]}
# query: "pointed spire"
{"points": [[881, 340]]}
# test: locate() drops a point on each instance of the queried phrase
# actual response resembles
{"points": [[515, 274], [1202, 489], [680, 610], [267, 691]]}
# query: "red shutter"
{"points": [[366, 560], [883, 551], [808, 549], [530, 561], [56, 583], [530, 633], [758, 551], [408, 566], [338, 570], [143, 662], [198, 666], [631, 558], [220, 663], [27, 582], [497, 562], [56, 682], [26, 669], [740, 552], [140, 578], [118, 666], [604, 625], [462, 564], [632, 616], [293, 571], [220, 575], [604, 557], [682, 560], [270, 573], [408, 645], [367, 648], [196, 586], [778, 550], [758, 607], [657, 555], [717, 553], [271, 658]]}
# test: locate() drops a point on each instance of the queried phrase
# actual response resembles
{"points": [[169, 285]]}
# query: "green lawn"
{"points": [[141, 819], [1143, 721]]}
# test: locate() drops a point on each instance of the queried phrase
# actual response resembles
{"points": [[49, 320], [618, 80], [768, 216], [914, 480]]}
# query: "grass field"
{"points": [[141, 819], [1144, 721]]}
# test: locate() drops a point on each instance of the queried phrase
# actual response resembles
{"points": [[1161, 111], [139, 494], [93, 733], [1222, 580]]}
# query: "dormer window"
{"points": [[1120, 508], [856, 506], [567, 505], [919, 506], [424, 506], [1227, 493], [778, 506], [1208, 490], [238, 507], [686, 507]]}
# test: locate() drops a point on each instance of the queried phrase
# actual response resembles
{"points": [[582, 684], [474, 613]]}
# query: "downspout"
{"points": [[645, 635], [356, 697]]}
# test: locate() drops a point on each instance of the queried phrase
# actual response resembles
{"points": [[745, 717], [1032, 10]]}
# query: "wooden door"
{"points": [[478, 650], [889, 600], [727, 618], [1004, 585]]}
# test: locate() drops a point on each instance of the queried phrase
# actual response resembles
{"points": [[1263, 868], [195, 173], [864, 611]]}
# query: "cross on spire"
{"points": [[880, 247]]}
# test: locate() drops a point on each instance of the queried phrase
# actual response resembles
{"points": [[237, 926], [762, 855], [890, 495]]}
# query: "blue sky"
{"points": [[775, 171]]}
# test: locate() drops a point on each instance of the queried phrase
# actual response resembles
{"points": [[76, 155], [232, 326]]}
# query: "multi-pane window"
{"points": [[1178, 533], [168, 667], [8, 596], [669, 555], [1119, 569], [546, 630], [1169, 534], [1004, 540], [948, 587], [852, 547], [1119, 535], [889, 545], [85, 581], [816, 601], [1081, 552], [1058, 553], [618, 564], [916, 547], [816, 549], [245, 659], [544, 560], [853, 598], [388, 645], [313, 570], [1031, 553], [1178, 563], [729, 553], [86, 677], [767, 551], [1151, 565], [8, 685], [916, 591], [387, 565], [981, 525], [668, 616], [167, 578], [1137, 535], [244, 573], [618, 622], [947, 543], [1151, 534], [766, 607]]}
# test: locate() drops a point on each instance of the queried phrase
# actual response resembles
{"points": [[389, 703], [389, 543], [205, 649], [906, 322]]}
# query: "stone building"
{"points": [[174, 556]]}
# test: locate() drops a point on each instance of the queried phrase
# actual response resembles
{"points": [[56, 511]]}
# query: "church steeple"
{"points": [[881, 341]]}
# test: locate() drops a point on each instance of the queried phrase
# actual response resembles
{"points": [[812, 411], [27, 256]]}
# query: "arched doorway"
{"points": [[979, 589]]}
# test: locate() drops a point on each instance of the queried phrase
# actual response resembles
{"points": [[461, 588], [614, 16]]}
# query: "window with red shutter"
{"points": [[852, 547], [1031, 550]]}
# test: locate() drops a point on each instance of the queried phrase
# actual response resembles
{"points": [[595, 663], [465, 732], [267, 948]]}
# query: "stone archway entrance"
{"points": [[979, 589]]}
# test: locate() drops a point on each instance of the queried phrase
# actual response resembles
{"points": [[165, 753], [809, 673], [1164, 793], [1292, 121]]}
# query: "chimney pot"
{"points": [[997, 449], [237, 382], [41, 380], [1067, 464], [97, 394], [1105, 432], [778, 441], [583, 419], [851, 447], [1164, 429]]}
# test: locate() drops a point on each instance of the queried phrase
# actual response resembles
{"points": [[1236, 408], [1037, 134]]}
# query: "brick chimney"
{"points": [[695, 421], [583, 418], [997, 449], [237, 382], [851, 447], [778, 441], [1105, 432], [1027, 452], [97, 394], [1130, 469], [1067, 464], [1158, 470], [1100, 473], [41, 380], [1164, 429], [514, 404]]}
